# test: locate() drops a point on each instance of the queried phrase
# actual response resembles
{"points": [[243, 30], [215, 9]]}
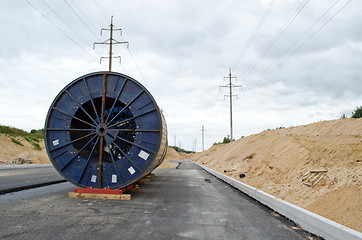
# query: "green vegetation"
{"points": [[344, 116], [36, 145], [181, 149], [16, 141], [224, 141], [33, 137], [357, 113]]}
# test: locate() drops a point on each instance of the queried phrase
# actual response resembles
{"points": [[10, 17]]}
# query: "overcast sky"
{"points": [[296, 63]]}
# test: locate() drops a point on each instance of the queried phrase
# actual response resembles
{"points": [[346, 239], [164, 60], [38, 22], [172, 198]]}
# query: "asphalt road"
{"points": [[17, 178], [183, 203]]}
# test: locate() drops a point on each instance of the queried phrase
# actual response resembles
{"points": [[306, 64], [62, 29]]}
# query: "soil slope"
{"points": [[279, 162], [10, 150]]}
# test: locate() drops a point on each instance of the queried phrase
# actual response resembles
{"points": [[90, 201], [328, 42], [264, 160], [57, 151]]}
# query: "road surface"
{"points": [[15, 178], [182, 203]]}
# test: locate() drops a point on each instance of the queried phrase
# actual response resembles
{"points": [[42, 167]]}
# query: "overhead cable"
{"points": [[252, 37], [71, 39], [101, 9], [85, 24], [310, 37], [56, 14], [276, 37]]}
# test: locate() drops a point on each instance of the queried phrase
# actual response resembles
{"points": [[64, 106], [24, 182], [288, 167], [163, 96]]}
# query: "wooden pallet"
{"points": [[105, 193], [100, 196], [312, 177]]}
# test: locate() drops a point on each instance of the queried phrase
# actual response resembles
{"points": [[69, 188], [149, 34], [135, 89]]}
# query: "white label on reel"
{"points": [[56, 142], [131, 170], [94, 178], [114, 178], [143, 155]]}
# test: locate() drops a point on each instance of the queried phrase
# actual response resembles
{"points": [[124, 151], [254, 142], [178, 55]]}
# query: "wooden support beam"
{"points": [[99, 196], [151, 175], [143, 181], [134, 189]]}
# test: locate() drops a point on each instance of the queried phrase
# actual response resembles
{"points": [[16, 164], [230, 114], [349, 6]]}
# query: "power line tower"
{"points": [[111, 41], [203, 137], [194, 148], [230, 85]]}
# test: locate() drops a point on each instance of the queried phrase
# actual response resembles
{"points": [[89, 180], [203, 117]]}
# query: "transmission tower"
{"points": [[111, 41], [230, 85], [203, 137]]}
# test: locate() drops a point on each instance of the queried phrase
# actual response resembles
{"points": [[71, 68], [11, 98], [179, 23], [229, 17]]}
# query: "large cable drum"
{"points": [[104, 129]]}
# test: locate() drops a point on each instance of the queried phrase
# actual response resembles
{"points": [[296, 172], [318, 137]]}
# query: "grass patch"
{"points": [[16, 141], [36, 145], [34, 135]]}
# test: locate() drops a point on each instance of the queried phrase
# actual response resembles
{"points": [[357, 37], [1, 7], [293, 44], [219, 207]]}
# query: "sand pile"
{"points": [[171, 155], [10, 151], [316, 166]]}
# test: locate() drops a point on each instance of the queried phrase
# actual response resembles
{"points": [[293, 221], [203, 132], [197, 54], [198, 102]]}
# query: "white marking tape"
{"points": [[94, 178], [114, 178], [131, 170], [56, 142], [143, 155]]}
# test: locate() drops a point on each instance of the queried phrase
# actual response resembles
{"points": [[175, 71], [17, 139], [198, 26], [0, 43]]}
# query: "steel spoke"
{"points": [[57, 109], [71, 142], [129, 119], [79, 105], [134, 99], [116, 99], [89, 157], [78, 152], [126, 156], [134, 130], [132, 143], [71, 129], [114, 163], [91, 98], [102, 121]]}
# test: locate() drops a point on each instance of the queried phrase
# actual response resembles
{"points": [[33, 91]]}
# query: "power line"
{"points": [[310, 37], [299, 38], [276, 37], [85, 24], [138, 69], [261, 22], [42, 14], [101, 9], [81, 12], [85, 41], [104, 7]]}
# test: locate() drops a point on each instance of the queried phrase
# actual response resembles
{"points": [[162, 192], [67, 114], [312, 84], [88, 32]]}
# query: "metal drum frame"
{"points": [[104, 129]]}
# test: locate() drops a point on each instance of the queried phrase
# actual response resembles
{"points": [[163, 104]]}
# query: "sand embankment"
{"points": [[279, 162]]}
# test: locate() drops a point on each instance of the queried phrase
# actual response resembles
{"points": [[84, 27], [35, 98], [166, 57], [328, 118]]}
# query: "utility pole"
{"points": [[111, 41], [230, 85], [203, 137], [195, 145]]}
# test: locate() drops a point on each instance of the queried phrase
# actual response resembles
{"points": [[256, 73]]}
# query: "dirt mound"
{"points": [[12, 152], [171, 155], [316, 166]]}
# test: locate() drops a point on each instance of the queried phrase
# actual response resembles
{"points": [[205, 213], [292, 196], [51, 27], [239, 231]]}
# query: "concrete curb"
{"points": [[6, 167], [309, 221]]}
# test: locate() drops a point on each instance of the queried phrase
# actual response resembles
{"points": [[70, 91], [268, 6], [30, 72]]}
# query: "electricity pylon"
{"points": [[111, 41], [230, 85]]}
